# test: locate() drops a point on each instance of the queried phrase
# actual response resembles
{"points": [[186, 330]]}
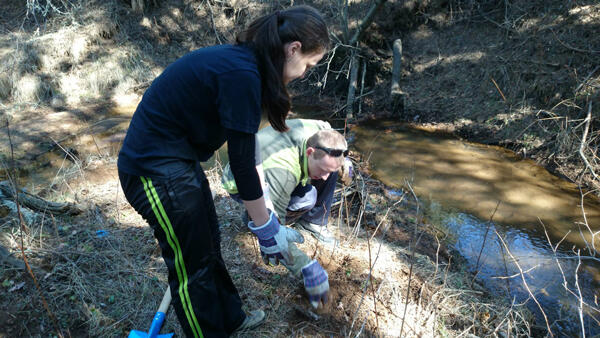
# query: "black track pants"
{"points": [[182, 214]]}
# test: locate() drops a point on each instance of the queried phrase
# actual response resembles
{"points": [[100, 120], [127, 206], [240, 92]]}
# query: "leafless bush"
{"points": [[44, 8]]}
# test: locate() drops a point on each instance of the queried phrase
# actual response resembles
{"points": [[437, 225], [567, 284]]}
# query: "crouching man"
{"points": [[298, 171]]}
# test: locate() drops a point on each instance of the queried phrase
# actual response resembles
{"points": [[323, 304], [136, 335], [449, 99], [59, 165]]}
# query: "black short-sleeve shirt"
{"points": [[183, 115]]}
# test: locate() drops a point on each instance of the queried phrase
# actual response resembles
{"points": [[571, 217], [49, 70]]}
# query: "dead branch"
{"points": [[343, 4], [584, 82], [487, 230], [352, 86], [525, 282], [580, 308], [587, 120], [369, 277], [363, 192], [346, 104], [413, 244], [592, 250], [566, 45], [362, 87], [366, 22], [498, 88], [578, 296], [329, 59], [36, 203], [517, 274], [305, 312], [212, 21]]}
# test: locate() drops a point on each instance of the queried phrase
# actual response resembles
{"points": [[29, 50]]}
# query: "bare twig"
{"points": [[584, 143], [487, 229], [580, 308], [578, 296], [344, 18], [366, 22], [329, 59], [592, 250], [13, 181], [525, 282], [413, 244], [346, 104], [573, 48], [369, 277], [212, 21], [352, 86], [584, 82], [516, 274], [499, 90], [362, 86]]}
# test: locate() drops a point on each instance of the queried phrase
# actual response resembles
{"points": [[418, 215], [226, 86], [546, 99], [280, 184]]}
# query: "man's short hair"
{"points": [[328, 138]]}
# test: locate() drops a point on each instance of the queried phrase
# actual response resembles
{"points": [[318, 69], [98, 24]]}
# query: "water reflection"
{"points": [[473, 178]]}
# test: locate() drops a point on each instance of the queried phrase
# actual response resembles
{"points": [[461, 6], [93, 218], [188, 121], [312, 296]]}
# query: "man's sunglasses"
{"points": [[334, 152]]}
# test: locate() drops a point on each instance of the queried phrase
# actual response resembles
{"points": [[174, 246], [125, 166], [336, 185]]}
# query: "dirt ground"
{"points": [[522, 74]]}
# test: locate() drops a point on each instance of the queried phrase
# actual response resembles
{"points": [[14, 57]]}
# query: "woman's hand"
{"points": [[273, 239]]}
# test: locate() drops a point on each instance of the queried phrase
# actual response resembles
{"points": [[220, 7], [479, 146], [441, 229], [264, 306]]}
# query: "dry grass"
{"points": [[106, 286]]}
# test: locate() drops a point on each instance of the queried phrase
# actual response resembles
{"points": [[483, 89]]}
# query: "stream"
{"points": [[465, 185]]}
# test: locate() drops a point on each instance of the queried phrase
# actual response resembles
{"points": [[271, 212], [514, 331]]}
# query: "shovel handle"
{"points": [[166, 301]]}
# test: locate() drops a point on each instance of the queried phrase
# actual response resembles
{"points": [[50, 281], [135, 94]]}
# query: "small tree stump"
{"points": [[398, 97]]}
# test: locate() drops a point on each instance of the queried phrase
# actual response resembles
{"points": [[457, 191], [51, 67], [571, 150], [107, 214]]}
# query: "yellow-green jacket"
{"points": [[284, 161]]}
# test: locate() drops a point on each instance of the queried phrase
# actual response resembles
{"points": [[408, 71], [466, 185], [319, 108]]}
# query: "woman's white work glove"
{"points": [[273, 240], [316, 283]]}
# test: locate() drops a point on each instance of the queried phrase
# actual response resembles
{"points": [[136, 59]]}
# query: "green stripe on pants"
{"points": [[165, 224]]}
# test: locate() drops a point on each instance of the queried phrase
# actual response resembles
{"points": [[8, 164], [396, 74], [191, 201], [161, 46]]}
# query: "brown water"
{"points": [[463, 182]]}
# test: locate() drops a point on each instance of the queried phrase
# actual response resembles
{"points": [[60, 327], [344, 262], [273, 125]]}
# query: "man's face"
{"points": [[321, 168]]}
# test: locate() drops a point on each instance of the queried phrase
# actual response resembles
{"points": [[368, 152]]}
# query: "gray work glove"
{"points": [[273, 239], [300, 260]]}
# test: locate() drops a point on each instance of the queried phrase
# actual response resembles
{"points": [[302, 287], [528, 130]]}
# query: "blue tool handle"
{"points": [[157, 322], [160, 315]]}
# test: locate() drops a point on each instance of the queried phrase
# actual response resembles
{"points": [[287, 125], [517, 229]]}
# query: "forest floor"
{"points": [[521, 75]]}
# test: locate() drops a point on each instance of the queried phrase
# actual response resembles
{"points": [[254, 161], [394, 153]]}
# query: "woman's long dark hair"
{"points": [[267, 36]]}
